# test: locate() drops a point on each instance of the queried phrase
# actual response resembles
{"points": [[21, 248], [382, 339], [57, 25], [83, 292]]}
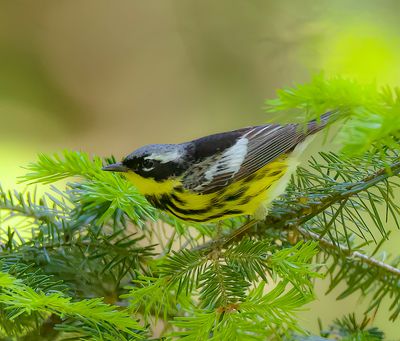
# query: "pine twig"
{"points": [[348, 252], [219, 242]]}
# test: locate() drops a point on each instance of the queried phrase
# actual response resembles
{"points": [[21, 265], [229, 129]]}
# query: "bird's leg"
{"points": [[221, 241], [250, 223], [219, 229]]}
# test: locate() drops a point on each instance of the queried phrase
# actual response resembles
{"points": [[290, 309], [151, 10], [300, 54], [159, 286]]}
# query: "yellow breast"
{"points": [[243, 197]]}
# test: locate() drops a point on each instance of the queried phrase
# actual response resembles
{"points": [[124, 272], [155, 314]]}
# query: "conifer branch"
{"points": [[347, 252], [20, 298]]}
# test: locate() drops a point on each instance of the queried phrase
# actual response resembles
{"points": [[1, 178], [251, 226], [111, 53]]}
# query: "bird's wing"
{"points": [[252, 149]]}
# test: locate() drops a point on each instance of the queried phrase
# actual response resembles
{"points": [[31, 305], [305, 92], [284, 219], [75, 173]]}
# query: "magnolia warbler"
{"points": [[219, 176]]}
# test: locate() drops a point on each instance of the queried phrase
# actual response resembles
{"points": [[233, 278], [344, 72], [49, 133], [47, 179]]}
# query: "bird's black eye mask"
{"points": [[150, 168]]}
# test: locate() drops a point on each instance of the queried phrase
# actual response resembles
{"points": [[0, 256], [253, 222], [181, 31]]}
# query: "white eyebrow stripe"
{"points": [[164, 157]]}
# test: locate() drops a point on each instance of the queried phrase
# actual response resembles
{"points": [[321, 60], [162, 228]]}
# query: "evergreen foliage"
{"points": [[93, 260]]}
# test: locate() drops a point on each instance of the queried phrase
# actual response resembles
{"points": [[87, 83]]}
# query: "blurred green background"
{"points": [[106, 77]]}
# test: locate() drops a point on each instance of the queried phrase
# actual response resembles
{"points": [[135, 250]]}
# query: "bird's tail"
{"points": [[316, 125]]}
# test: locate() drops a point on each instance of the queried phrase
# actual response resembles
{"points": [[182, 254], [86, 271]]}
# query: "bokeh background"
{"points": [[106, 77]]}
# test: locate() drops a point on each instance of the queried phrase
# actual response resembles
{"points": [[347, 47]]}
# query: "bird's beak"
{"points": [[115, 167]]}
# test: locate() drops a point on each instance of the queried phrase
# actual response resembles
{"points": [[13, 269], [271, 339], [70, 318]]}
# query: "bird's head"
{"points": [[156, 161]]}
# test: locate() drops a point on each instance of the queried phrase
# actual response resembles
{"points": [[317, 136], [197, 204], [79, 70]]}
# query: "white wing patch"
{"points": [[164, 157], [230, 161]]}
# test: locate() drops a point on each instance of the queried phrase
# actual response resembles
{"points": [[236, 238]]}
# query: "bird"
{"points": [[220, 176]]}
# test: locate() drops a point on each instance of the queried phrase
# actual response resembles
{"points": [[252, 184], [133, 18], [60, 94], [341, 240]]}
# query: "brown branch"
{"points": [[348, 252]]}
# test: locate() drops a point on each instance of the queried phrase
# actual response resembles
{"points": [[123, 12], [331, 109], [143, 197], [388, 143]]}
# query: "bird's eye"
{"points": [[148, 164]]}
